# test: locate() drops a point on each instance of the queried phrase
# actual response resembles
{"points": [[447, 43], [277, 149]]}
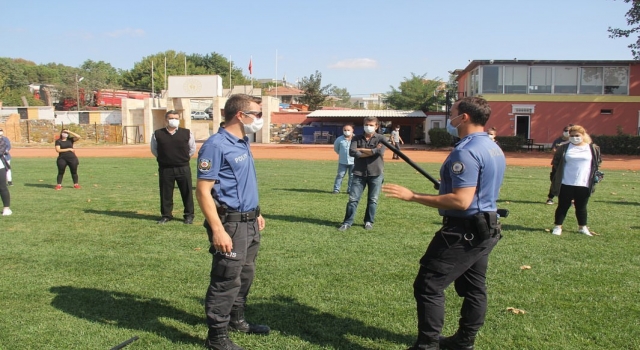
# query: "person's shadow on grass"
{"points": [[289, 317], [41, 185], [300, 219], [125, 311], [123, 214]]}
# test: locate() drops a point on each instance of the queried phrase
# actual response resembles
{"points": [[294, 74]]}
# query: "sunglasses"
{"points": [[257, 114]]}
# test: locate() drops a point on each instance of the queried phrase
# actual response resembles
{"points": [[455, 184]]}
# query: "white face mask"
{"points": [[565, 134], [368, 129], [1, 133], [64, 135], [347, 133], [174, 123], [254, 127], [576, 140]]}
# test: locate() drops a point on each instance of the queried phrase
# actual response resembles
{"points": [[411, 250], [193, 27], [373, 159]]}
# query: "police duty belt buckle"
{"points": [[469, 238]]}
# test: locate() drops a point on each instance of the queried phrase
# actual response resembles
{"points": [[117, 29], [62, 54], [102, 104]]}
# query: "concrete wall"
{"points": [[64, 117]]}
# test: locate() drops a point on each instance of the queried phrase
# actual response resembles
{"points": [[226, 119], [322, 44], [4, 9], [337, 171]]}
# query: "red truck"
{"points": [[101, 99], [111, 98]]}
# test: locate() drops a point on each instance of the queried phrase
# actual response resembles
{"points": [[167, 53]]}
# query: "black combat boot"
{"points": [[218, 339], [425, 345], [239, 324], [462, 340]]}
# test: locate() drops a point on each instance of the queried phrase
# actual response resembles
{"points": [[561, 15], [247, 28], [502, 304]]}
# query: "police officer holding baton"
{"points": [[227, 192], [459, 252]]}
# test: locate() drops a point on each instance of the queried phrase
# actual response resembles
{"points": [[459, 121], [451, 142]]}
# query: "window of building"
{"points": [[566, 80], [492, 79], [473, 84], [616, 80], [591, 80], [540, 80], [606, 111], [515, 79]]}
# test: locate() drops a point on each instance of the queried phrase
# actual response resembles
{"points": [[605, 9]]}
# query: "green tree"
{"points": [[314, 93], [633, 20], [216, 64], [415, 93], [14, 82], [139, 77], [338, 97], [99, 75]]}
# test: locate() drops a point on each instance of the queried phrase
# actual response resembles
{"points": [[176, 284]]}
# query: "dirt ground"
{"points": [[316, 152]]}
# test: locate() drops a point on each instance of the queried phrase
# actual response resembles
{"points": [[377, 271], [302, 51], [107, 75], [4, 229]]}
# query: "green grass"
{"points": [[89, 268]]}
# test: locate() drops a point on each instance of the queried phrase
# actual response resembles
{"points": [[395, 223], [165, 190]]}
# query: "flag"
{"points": [[250, 67]]}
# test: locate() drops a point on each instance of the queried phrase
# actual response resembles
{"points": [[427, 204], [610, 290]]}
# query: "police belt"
{"points": [[452, 221], [482, 225], [228, 215]]}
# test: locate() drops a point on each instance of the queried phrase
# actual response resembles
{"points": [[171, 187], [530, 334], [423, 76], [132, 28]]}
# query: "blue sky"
{"points": [[364, 46]]}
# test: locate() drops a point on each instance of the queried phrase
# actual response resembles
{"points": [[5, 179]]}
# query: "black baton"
{"points": [[125, 343], [436, 183]]}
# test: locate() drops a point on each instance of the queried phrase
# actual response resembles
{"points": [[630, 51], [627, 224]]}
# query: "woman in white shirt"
{"points": [[573, 167]]}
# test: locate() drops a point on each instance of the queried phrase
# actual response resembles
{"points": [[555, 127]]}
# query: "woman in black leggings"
{"points": [[67, 157], [573, 167]]}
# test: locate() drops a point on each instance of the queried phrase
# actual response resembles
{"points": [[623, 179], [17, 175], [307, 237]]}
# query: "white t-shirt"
{"points": [[577, 166]]}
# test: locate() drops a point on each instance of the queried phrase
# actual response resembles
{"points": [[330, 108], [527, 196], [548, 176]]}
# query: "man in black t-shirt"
{"points": [[173, 148], [368, 171]]}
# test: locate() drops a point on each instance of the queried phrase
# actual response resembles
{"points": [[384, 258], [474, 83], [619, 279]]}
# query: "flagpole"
{"points": [[276, 73], [153, 91], [230, 88], [251, 72], [165, 72]]}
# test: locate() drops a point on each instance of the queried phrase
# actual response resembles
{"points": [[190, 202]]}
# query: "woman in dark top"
{"points": [[67, 157]]}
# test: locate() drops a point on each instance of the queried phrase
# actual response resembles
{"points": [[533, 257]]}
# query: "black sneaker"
{"points": [[10, 183]]}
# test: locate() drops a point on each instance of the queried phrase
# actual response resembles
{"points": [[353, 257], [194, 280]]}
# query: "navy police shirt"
{"points": [[476, 161], [227, 160]]}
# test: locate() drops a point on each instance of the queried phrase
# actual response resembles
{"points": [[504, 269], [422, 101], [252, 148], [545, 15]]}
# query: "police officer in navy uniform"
{"points": [[227, 192], [459, 251], [173, 148]]}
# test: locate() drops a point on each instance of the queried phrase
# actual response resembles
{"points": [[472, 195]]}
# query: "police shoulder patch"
{"points": [[204, 165], [457, 168]]}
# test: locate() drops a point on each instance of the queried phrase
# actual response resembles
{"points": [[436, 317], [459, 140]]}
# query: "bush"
{"points": [[618, 144], [511, 143], [440, 138]]}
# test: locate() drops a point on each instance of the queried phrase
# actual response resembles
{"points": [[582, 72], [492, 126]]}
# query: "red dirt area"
{"points": [[317, 152]]}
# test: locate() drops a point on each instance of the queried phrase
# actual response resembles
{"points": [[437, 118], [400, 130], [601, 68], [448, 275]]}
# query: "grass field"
{"points": [[89, 268]]}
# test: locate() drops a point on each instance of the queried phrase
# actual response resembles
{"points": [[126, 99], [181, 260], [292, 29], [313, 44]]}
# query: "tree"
{"points": [[633, 20], [339, 97], [139, 77], [416, 93], [100, 75], [314, 93], [14, 82], [216, 64]]}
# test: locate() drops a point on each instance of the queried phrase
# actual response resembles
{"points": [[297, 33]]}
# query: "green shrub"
{"points": [[618, 144], [511, 143], [440, 137]]}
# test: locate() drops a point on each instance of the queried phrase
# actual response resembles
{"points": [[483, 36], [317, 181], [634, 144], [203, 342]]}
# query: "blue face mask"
{"points": [[452, 130]]}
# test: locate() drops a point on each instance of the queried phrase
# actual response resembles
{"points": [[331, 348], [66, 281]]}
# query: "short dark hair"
{"points": [[371, 119], [237, 103], [170, 112], [477, 108]]}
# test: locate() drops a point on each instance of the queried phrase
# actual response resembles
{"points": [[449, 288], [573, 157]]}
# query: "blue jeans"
{"points": [[357, 188], [343, 169]]}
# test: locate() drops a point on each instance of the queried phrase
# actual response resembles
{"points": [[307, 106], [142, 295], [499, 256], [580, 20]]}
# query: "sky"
{"points": [[364, 46]]}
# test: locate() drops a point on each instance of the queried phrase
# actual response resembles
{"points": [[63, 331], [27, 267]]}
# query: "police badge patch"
{"points": [[204, 165], [457, 168]]}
